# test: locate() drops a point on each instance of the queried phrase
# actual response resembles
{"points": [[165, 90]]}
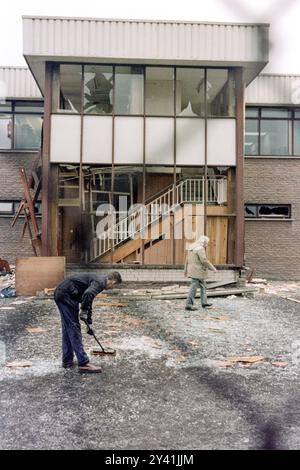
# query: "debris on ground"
{"points": [[245, 360], [293, 300], [7, 284], [280, 364], [36, 329], [18, 364], [7, 292]]}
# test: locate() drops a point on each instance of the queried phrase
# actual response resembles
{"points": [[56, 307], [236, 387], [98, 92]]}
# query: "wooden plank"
{"points": [[37, 274]]}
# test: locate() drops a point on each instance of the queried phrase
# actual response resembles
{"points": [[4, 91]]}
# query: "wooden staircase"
{"points": [[153, 221]]}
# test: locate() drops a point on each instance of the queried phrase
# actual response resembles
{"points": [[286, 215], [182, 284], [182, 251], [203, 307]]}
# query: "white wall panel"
{"points": [[190, 141], [221, 142], [160, 141], [65, 139], [97, 139], [128, 140]]}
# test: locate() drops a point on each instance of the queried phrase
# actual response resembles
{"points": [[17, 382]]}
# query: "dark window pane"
{"points": [[275, 113], [297, 113], [98, 89], [27, 131], [220, 92], [251, 137], [159, 91], [274, 137], [190, 92], [252, 112], [29, 107], [5, 107], [129, 90], [6, 127], [250, 210], [6, 208], [272, 210], [296, 137], [70, 88]]}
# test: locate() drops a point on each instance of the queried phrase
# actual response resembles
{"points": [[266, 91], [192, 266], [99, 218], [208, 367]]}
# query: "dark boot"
{"points": [[89, 369], [191, 307]]}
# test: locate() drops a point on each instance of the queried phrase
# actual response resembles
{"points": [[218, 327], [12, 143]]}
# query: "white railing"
{"points": [[140, 217]]}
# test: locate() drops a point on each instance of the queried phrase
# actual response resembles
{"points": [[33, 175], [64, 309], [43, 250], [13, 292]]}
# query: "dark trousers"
{"points": [[71, 331]]}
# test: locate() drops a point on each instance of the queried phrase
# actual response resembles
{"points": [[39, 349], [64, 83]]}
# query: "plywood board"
{"points": [[217, 231], [38, 273]]}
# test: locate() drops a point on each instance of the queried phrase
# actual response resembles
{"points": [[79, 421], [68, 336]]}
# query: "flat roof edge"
{"points": [[270, 74], [130, 20], [19, 67]]}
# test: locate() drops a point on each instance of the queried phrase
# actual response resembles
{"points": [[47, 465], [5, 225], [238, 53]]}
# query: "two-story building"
{"points": [[150, 115]]}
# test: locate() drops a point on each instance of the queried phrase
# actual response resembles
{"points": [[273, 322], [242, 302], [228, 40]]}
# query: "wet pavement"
{"points": [[168, 386]]}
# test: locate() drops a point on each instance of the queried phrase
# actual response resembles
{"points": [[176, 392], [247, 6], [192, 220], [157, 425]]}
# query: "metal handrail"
{"points": [[188, 190]]}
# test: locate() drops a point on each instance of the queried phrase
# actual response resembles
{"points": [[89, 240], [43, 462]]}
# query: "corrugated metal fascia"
{"points": [[73, 37], [19, 83], [274, 89]]}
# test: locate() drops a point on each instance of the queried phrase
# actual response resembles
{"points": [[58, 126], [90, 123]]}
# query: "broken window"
{"points": [[220, 91], [70, 88], [190, 85], [263, 211], [98, 89]]}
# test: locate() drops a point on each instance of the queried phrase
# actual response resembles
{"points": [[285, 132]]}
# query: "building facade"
{"points": [[150, 116], [272, 171], [21, 114]]}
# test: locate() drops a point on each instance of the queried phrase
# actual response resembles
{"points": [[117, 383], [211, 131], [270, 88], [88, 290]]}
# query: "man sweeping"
{"points": [[196, 267], [75, 290]]}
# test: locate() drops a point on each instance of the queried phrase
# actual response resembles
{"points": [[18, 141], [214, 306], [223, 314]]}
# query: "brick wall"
{"points": [[11, 244], [273, 247]]}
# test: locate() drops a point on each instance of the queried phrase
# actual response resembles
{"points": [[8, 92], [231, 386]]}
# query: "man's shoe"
{"points": [[89, 369], [191, 307], [206, 305]]}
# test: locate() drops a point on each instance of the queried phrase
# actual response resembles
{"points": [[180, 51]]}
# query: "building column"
{"points": [[239, 193], [49, 177]]}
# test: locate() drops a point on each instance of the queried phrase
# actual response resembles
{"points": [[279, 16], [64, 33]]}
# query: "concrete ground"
{"points": [[170, 385]]}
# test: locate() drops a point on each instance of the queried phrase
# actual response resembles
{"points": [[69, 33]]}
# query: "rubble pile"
{"points": [[7, 284]]}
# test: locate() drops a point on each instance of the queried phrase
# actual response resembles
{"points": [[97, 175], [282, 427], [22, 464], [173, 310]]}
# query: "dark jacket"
{"points": [[83, 288]]}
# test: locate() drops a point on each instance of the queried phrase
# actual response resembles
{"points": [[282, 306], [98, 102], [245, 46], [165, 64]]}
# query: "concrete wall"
{"points": [[273, 247], [11, 244]]}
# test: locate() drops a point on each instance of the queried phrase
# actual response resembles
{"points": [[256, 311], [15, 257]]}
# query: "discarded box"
{"points": [[38, 273]]}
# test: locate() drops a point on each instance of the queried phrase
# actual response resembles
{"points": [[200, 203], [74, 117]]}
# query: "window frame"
{"points": [[257, 216], [15, 205], [291, 119], [56, 88], [13, 113]]}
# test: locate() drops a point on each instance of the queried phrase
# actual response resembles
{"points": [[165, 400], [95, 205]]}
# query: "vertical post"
{"points": [[112, 183], [174, 200], [47, 212], [239, 193], [144, 216], [205, 152]]}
